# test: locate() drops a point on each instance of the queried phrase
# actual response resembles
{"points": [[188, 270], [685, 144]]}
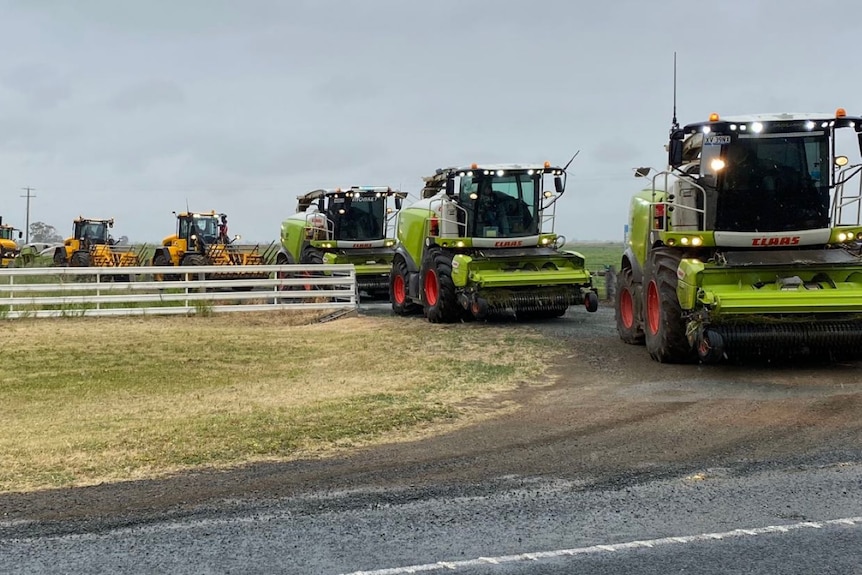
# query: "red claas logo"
{"points": [[508, 244], [361, 245], [776, 241]]}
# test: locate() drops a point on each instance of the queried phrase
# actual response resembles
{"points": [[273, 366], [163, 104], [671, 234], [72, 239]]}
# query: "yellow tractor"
{"points": [[201, 240], [8, 246], [91, 245]]}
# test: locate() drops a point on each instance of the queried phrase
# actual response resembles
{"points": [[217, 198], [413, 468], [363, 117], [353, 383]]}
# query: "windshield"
{"points": [[204, 227], [501, 206], [772, 183], [364, 219], [96, 232], [6, 233]]}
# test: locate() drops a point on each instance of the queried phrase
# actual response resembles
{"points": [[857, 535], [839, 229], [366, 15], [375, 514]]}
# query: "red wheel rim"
{"points": [[398, 290], [653, 309], [627, 309], [308, 287], [431, 289]]}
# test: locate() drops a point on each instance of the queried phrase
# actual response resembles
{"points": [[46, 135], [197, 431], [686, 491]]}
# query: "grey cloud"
{"points": [[147, 95]]}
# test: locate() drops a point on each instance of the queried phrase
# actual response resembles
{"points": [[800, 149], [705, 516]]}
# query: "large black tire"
{"points": [[163, 260], [312, 256], [439, 300], [60, 257], [663, 323], [399, 289], [628, 309], [283, 259], [80, 259]]}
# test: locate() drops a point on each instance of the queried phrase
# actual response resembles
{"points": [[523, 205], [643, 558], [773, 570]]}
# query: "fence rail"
{"points": [[68, 291]]}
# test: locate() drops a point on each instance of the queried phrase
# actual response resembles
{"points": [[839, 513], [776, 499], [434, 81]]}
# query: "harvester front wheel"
{"points": [[399, 280], [438, 291], [665, 336], [628, 309], [313, 257]]}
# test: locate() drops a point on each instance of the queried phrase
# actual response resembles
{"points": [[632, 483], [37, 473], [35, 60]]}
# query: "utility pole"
{"points": [[27, 225]]}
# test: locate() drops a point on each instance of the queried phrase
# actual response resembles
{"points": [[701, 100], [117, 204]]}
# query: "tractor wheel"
{"points": [[80, 260], [438, 292], [665, 336], [628, 309], [399, 292], [60, 257], [163, 260]]}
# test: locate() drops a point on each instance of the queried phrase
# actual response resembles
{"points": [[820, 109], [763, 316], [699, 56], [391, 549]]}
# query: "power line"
{"points": [[27, 225]]}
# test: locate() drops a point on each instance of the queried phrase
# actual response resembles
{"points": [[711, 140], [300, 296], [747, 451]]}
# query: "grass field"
{"points": [[88, 400], [598, 255]]}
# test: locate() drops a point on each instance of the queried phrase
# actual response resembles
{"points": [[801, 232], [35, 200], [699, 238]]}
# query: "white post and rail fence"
{"points": [[157, 290]]}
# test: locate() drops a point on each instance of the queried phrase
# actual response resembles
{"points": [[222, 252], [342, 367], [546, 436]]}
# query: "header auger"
{"points": [[481, 242], [749, 243]]}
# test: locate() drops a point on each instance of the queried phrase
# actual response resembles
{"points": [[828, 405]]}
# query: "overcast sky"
{"points": [[131, 109]]}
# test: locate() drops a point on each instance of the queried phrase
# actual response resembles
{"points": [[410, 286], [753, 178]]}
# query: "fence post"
{"points": [[610, 283]]}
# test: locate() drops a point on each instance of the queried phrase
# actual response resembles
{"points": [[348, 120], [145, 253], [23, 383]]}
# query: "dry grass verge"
{"points": [[90, 400]]}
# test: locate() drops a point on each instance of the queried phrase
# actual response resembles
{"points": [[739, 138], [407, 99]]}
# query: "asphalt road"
{"points": [[620, 466]]}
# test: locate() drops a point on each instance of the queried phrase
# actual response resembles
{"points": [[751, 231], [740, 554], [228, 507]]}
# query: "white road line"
{"points": [[597, 549]]}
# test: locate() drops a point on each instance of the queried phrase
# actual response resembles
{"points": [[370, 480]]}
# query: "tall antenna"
{"points": [[674, 122]]}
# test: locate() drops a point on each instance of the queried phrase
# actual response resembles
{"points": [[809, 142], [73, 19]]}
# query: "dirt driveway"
{"points": [[611, 415]]}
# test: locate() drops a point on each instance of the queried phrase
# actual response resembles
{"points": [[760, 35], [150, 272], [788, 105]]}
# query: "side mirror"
{"points": [[321, 204], [450, 187], [558, 184], [20, 235], [236, 238], [674, 148], [642, 172], [398, 202]]}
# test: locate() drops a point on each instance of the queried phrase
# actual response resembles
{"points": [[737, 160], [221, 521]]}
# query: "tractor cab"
{"points": [[760, 174], [495, 201], [92, 232], [198, 228], [8, 233]]}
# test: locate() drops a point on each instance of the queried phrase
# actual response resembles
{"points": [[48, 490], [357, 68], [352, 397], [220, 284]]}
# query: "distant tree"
{"points": [[42, 232]]}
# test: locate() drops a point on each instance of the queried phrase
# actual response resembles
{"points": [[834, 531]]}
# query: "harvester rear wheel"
{"points": [[399, 280], [665, 336], [438, 291], [628, 309]]}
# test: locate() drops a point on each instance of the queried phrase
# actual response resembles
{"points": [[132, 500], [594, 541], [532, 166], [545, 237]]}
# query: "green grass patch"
{"points": [[90, 400]]}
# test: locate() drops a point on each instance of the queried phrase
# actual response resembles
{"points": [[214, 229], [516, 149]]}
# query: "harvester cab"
{"points": [[91, 244], [345, 226], [481, 241], [748, 242], [9, 248]]}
